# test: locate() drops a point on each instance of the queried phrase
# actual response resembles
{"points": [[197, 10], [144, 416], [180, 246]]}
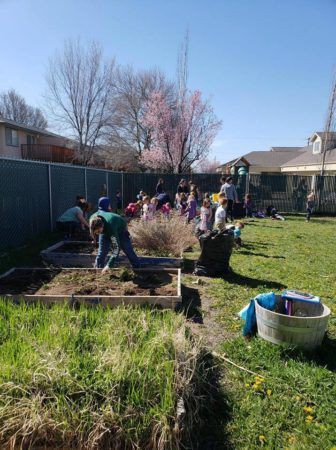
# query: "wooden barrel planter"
{"points": [[305, 328]]}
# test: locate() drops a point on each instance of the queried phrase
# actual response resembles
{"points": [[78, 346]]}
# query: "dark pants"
{"points": [[229, 210], [68, 227], [125, 245], [248, 211], [309, 213]]}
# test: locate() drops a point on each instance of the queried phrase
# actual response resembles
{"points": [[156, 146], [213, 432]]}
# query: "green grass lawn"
{"points": [[28, 254], [63, 370], [294, 405]]}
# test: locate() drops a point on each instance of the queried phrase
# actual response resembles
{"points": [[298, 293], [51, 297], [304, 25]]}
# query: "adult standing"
{"points": [[183, 187], [160, 189], [301, 194], [229, 190]]}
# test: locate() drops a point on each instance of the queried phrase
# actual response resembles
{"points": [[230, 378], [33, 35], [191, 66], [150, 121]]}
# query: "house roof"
{"points": [[273, 158], [307, 157], [323, 134], [285, 149], [22, 126], [290, 156]]}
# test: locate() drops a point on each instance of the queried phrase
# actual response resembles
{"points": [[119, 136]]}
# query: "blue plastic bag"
{"points": [[266, 301]]}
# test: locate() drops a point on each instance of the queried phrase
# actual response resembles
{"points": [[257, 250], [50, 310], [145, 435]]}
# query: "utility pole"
{"points": [[329, 124]]}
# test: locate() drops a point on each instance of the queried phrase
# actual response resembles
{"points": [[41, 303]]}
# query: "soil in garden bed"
{"points": [[89, 282], [77, 248]]}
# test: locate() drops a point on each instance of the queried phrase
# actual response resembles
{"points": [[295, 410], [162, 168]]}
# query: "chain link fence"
{"points": [[34, 194]]}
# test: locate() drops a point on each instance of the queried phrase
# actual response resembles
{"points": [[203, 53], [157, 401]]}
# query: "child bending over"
{"points": [[165, 209], [111, 229], [133, 209]]}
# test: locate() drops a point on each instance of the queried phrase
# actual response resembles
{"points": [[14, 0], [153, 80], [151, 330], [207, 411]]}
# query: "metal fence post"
{"points": [[122, 190], [107, 185], [85, 184], [247, 187], [50, 198]]}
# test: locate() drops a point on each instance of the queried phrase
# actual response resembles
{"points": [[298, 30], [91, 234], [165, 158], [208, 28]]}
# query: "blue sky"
{"points": [[266, 65]]}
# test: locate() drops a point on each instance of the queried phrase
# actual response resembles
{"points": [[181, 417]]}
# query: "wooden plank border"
{"points": [[80, 260], [95, 300]]}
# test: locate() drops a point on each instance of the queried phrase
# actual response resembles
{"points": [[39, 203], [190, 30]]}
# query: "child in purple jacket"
{"points": [[191, 208]]}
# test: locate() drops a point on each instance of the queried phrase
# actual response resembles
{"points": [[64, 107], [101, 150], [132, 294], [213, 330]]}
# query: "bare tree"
{"points": [[14, 107], [207, 165], [80, 89], [114, 155], [133, 90]]}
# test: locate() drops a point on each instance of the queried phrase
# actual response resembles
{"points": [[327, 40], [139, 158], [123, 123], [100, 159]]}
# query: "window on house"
{"points": [[12, 137], [317, 147], [31, 140]]}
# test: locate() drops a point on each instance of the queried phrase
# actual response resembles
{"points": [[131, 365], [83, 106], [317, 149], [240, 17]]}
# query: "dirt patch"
{"points": [[87, 248], [89, 282]]}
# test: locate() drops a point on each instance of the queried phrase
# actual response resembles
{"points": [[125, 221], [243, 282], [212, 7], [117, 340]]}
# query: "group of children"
{"points": [[147, 208], [272, 211], [213, 213]]}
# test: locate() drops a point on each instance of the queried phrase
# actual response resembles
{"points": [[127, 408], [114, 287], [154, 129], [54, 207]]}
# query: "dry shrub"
{"points": [[163, 237]]}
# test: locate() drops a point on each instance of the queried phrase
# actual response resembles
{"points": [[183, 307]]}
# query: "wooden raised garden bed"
{"points": [[92, 287], [83, 254]]}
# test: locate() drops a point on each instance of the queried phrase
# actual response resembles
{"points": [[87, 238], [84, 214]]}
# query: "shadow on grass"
{"points": [[189, 265], [236, 278], [315, 220], [191, 304], [264, 225], [250, 245], [263, 255], [323, 356], [211, 433]]}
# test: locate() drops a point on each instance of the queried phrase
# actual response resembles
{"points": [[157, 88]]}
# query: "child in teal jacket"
{"points": [[111, 227]]}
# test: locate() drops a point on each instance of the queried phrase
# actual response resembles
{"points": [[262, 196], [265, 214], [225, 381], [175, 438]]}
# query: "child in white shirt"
{"points": [[220, 215]]}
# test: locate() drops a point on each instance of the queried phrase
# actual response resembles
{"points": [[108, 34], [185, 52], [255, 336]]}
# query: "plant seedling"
{"points": [[126, 275]]}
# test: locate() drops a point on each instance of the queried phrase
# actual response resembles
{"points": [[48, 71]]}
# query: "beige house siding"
{"points": [[330, 169], [10, 150], [263, 169], [15, 151]]}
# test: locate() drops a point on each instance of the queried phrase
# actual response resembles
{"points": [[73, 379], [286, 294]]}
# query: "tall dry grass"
{"points": [[163, 237], [97, 379]]}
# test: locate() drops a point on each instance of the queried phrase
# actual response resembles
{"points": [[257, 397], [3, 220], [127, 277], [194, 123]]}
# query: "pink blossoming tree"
{"points": [[180, 134]]}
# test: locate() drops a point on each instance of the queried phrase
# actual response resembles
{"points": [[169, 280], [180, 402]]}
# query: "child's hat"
{"points": [[104, 203]]}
